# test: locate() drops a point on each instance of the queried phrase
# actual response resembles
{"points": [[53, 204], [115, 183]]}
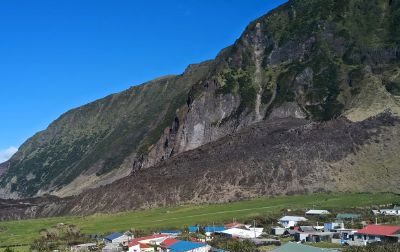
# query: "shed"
{"points": [[317, 212], [290, 221], [278, 230], [172, 233]]}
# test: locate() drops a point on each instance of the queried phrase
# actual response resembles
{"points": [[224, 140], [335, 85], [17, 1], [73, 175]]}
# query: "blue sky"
{"points": [[57, 55]]}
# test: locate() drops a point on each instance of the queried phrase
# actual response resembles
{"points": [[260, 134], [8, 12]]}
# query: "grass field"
{"points": [[25, 231]]}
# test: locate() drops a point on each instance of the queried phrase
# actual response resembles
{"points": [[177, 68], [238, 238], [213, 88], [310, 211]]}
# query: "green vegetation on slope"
{"points": [[25, 231], [99, 136]]}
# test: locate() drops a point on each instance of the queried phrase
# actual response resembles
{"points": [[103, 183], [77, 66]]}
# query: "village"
{"points": [[316, 230]]}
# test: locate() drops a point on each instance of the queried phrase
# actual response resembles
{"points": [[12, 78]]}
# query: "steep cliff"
{"points": [[272, 157], [315, 60]]}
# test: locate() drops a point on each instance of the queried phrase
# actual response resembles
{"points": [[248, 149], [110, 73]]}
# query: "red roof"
{"points": [[168, 242], [136, 241], [144, 245], [379, 230]]}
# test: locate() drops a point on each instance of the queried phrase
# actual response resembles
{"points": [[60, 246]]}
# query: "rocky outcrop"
{"points": [[272, 157]]}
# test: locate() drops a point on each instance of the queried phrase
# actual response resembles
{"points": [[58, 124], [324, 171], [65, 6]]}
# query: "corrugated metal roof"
{"points": [[380, 230], [293, 218], [113, 236], [183, 246], [168, 242], [317, 212], [211, 229], [170, 232]]}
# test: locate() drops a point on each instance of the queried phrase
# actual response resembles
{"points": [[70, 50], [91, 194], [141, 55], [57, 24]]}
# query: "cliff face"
{"points": [[272, 157], [314, 60]]}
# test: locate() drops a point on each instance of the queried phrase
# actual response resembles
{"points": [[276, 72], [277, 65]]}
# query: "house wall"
{"points": [[135, 248]]}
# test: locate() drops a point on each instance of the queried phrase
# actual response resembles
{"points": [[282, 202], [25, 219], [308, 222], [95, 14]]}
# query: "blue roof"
{"points": [[170, 232], [211, 229], [113, 236], [182, 246], [193, 229]]}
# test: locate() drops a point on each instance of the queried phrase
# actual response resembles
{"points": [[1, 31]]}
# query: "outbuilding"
{"points": [[290, 221], [317, 212]]}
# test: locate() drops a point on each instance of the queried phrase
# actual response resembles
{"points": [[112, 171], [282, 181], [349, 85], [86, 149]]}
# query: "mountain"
{"points": [[306, 100]]}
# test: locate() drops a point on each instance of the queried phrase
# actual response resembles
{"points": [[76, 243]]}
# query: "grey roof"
{"points": [[307, 229], [295, 247]]}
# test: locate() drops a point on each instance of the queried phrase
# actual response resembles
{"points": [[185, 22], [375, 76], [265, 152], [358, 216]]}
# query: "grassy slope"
{"points": [[25, 231]]}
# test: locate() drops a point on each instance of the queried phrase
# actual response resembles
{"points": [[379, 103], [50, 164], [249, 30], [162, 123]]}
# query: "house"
{"points": [[290, 221], [141, 247], [378, 233], [320, 237], [278, 230], [116, 238], [295, 247], [309, 234], [347, 216], [167, 242], [146, 243], [395, 211], [332, 225], [171, 233], [317, 212], [241, 233], [208, 230], [112, 247], [84, 247], [391, 212], [187, 246], [306, 229], [345, 236]]}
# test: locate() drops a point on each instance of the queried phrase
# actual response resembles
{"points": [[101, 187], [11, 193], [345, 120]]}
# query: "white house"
{"points": [[242, 233], [290, 221], [391, 212], [317, 212]]}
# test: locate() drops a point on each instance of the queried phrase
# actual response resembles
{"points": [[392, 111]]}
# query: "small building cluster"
{"points": [[198, 238], [395, 211], [335, 232], [163, 242]]}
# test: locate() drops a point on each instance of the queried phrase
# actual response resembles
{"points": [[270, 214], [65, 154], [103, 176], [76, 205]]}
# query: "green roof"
{"points": [[348, 216], [295, 247]]}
